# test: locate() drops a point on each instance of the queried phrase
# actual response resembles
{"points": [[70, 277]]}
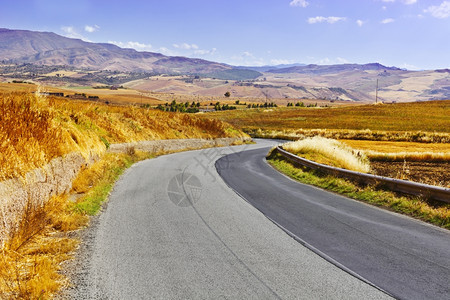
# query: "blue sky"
{"points": [[413, 34]]}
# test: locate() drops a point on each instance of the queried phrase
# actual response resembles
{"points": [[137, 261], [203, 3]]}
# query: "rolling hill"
{"points": [[20, 49], [47, 48]]}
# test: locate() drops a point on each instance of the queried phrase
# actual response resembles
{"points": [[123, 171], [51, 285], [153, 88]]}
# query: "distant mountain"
{"points": [[47, 48], [327, 69], [267, 68]]}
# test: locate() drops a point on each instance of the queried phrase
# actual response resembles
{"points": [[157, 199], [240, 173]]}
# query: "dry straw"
{"points": [[330, 152]]}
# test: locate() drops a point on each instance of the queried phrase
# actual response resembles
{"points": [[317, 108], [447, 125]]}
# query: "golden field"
{"points": [[400, 151], [405, 140], [417, 121]]}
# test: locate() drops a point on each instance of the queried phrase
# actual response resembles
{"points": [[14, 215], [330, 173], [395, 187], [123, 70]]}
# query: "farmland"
{"points": [[406, 140], [430, 116]]}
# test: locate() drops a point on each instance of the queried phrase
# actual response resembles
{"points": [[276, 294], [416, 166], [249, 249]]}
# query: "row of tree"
{"points": [[301, 104], [180, 107], [265, 105], [194, 107]]}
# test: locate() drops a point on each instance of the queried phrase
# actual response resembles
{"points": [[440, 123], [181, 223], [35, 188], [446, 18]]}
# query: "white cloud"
{"points": [[191, 49], [185, 46], [205, 52], [328, 61], [387, 21], [133, 45], [91, 29], [275, 62], [71, 32], [301, 3], [246, 59], [166, 51], [441, 12], [324, 61], [360, 23], [407, 2], [320, 19], [409, 67], [341, 60], [384, 7]]}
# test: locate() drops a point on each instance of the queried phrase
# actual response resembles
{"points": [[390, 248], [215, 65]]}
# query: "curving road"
{"points": [[407, 258], [174, 230]]}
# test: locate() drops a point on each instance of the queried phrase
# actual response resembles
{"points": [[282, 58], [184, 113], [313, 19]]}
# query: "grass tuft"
{"points": [[329, 152]]}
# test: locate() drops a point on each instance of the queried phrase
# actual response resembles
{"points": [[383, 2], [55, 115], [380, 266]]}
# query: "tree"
{"points": [[227, 94]]}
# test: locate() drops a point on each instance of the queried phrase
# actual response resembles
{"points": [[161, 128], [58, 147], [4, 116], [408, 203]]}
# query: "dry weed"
{"points": [[330, 152], [31, 257]]}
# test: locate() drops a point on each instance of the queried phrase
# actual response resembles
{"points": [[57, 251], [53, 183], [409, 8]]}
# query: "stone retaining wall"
{"points": [[36, 187], [39, 185], [174, 145]]}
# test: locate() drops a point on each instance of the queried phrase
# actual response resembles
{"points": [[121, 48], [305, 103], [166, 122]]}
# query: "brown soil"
{"points": [[423, 172]]}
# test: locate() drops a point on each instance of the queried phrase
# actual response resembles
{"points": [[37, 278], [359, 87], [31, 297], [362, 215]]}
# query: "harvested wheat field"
{"points": [[427, 163]]}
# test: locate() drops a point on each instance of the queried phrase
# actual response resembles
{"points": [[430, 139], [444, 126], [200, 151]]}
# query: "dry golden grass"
{"points": [[36, 129], [17, 87], [120, 96], [329, 152], [31, 259], [401, 151], [347, 134]]}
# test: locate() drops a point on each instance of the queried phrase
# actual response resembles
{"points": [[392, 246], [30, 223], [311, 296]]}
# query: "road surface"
{"points": [[405, 257], [174, 230]]}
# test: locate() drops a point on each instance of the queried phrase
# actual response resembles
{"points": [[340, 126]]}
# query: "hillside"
{"points": [[330, 69], [53, 127], [56, 60], [47, 48]]}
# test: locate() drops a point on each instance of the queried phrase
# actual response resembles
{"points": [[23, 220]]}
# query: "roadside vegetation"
{"points": [[34, 129], [434, 213], [31, 259], [329, 152]]}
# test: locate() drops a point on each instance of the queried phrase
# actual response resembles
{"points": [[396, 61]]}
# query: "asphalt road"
{"points": [[405, 257], [174, 230]]}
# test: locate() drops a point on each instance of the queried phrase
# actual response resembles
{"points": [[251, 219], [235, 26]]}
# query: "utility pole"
{"points": [[376, 93]]}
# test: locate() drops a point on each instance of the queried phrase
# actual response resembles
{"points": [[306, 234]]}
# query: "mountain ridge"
{"points": [[325, 69], [351, 82], [48, 48]]}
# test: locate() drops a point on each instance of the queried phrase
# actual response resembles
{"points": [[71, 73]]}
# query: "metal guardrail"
{"points": [[397, 185]]}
